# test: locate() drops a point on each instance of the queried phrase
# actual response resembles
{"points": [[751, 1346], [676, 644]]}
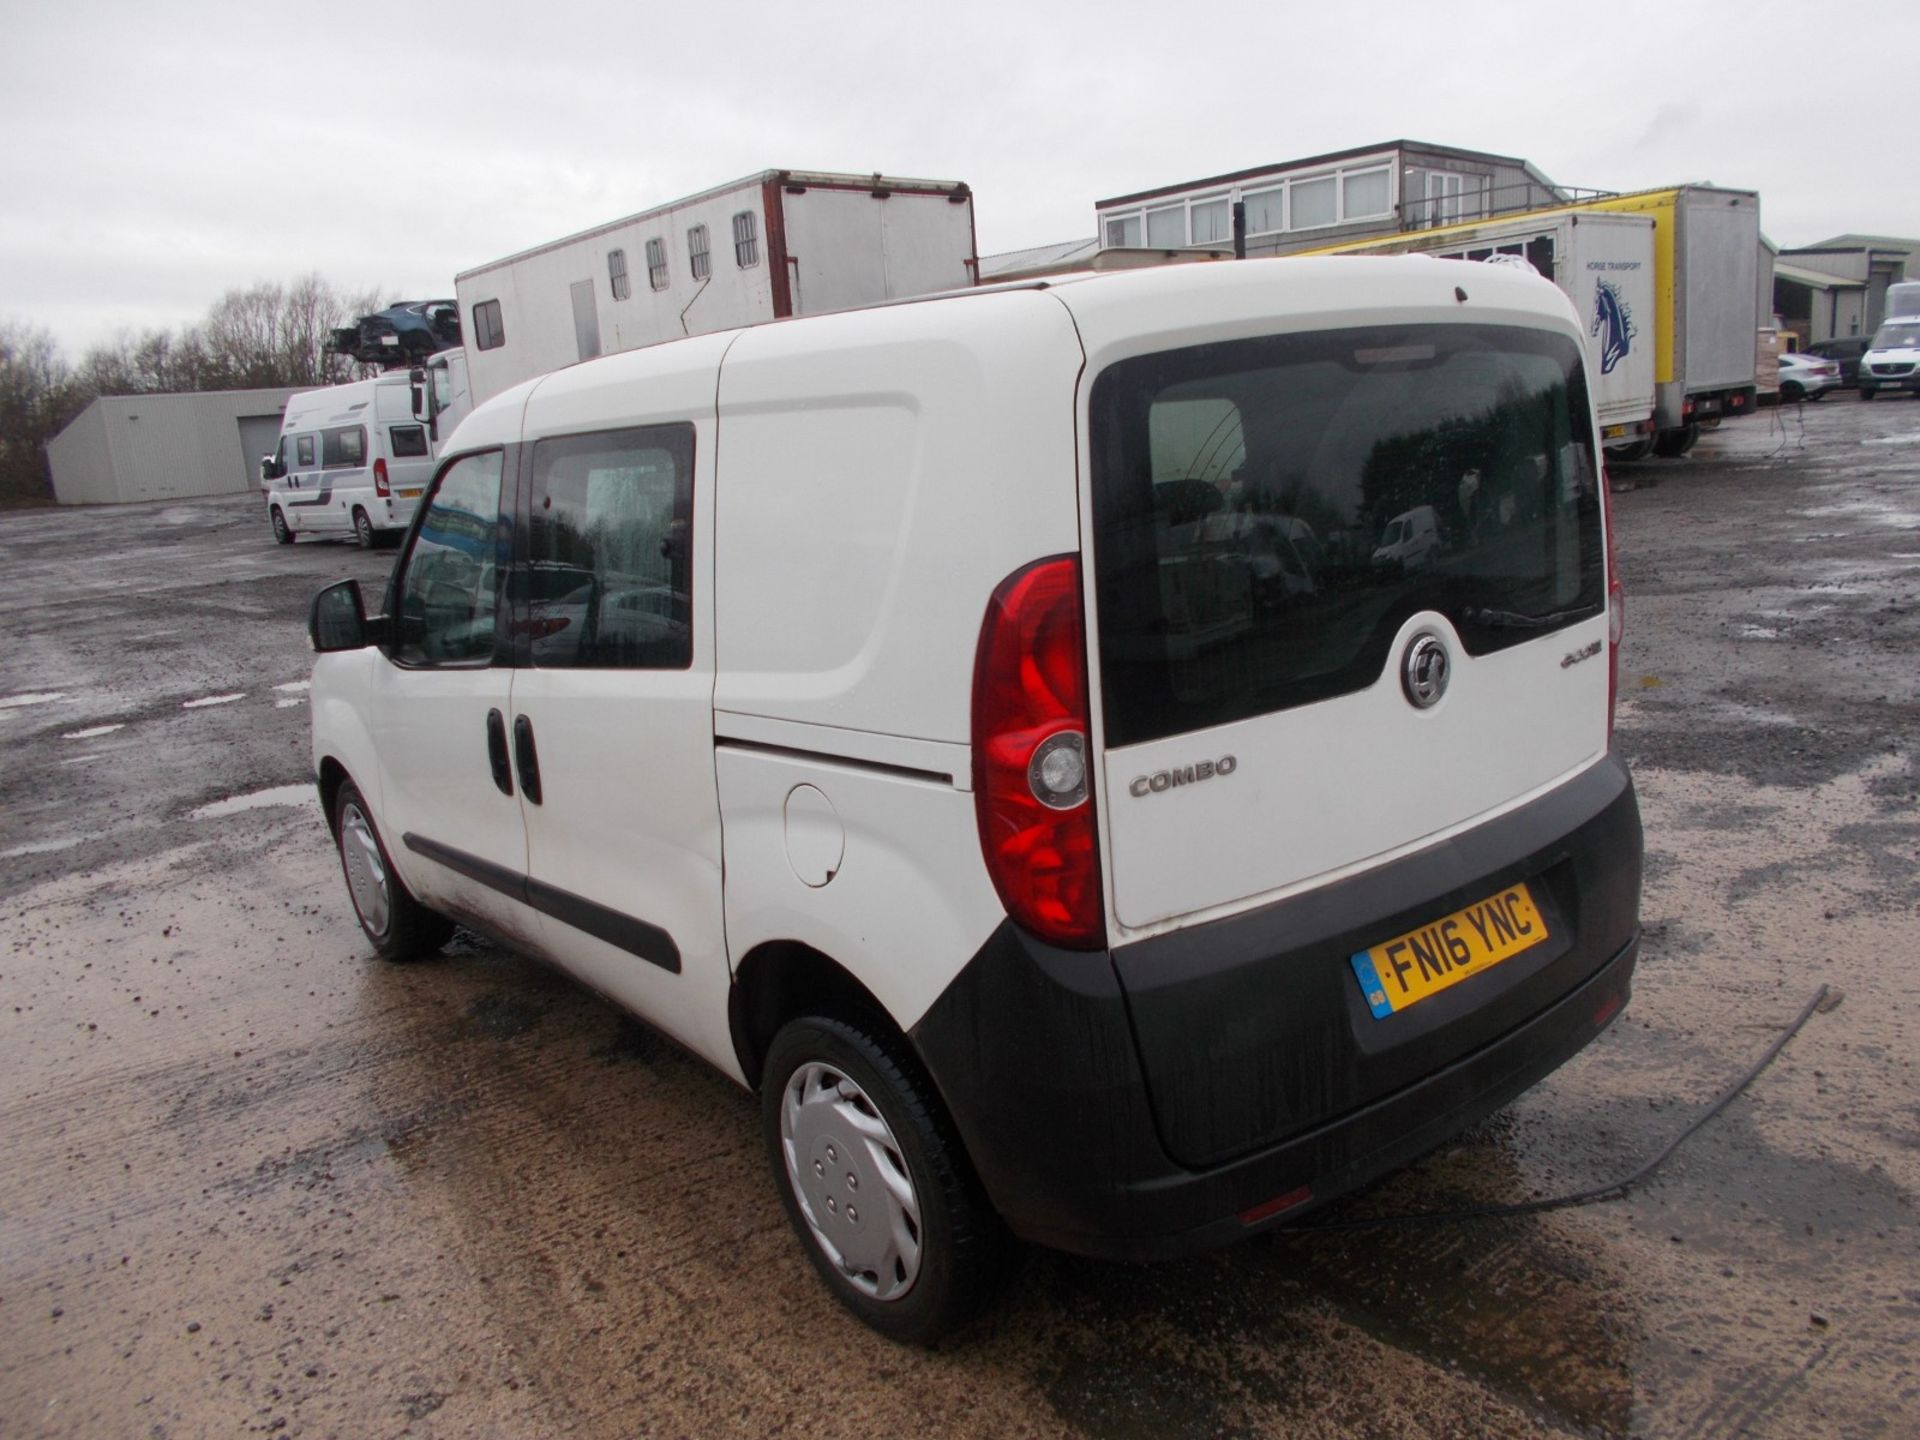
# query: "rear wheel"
{"points": [[281, 533], [875, 1181], [399, 926], [1631, 451], [363, 529], [1670, 444]]}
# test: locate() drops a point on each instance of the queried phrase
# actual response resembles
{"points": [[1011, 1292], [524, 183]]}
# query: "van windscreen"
{"points": [[1268, 513]]}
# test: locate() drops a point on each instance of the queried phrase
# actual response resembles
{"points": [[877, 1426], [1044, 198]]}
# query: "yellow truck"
{"points": [[1705, 297]]}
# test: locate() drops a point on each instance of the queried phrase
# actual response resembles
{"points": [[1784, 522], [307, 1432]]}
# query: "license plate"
{"points": [[413, 494], [1407, 969]]}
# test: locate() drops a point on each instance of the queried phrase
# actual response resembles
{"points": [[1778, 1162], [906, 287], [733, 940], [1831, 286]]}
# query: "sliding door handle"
{"points": [[497, 752], [527, 758]]}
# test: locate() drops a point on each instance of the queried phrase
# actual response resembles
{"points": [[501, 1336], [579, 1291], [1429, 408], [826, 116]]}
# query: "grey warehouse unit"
{"points": [[125, 448]]}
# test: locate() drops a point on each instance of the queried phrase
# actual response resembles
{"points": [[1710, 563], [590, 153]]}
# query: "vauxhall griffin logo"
{"points": [[1423, 674]]}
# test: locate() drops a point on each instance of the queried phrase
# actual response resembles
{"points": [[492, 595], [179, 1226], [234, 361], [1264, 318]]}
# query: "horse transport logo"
{"points": [[1613, 323]]}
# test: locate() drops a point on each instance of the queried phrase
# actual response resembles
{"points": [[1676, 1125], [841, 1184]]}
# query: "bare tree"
{"points": [[37, 398]]}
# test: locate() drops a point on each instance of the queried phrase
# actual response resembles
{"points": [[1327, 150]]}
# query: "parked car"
{"points": [[1893, 360], [1806, 377], [1845, 349], [832, 695]]}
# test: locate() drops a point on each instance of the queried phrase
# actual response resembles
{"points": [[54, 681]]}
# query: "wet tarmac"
{"points": [[257, 1182]]}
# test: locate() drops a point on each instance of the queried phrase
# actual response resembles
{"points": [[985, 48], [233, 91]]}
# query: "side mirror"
{"points": [[271, 469], [417, 388], [338, 620]]}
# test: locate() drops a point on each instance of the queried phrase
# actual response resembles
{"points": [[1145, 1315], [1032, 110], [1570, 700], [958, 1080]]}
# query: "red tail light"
{"points": [[380, 485], [1031, 787], [1616, 603]]}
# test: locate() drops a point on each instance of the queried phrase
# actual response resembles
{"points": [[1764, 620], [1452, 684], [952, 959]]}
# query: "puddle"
{"points": [[295, 685], [81, 759], [288, 704], [45, 847], [1912, 437], [14, 702], [256, 800], [93, 732], [1756, 632], [211, 700]]}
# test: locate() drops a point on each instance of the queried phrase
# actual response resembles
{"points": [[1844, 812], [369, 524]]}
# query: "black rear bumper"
{"points": [[1162, 1097]]}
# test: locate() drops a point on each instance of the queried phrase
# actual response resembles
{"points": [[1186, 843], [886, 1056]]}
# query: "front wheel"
{"points": [[1865, 393], [397, 925], [1791, 392], [876, 1182], [281, 534]]}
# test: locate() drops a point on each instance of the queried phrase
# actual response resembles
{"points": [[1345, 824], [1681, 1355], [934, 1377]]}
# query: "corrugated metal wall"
{"points": [[160, 447]]}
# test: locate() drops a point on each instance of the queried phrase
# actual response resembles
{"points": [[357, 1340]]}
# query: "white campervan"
{"points": [[352, 460], [911, 712]]}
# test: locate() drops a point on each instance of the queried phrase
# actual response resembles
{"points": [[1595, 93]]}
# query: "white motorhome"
{"points": [[777, 244], [352, 460], [912, 712]]}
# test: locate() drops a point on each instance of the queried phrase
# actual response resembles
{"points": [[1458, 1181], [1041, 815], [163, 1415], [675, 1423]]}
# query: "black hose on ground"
{"points": [[1618, 1188]]}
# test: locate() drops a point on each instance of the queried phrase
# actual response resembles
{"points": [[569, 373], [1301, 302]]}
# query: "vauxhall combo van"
{"points": [[889, 707]]}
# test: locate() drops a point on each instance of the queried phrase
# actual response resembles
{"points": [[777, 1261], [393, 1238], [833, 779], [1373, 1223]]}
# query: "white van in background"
{"points": [[352, 460]]}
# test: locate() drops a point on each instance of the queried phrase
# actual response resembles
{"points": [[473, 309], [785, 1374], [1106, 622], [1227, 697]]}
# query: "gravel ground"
{"points": [[257, 1182]]}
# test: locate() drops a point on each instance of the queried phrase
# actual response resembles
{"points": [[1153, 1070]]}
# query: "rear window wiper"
{"points": [[1514, 620]]}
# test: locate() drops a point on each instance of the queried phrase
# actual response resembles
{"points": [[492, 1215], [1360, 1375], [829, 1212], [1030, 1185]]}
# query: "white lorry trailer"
{"points": [[773, 245]]}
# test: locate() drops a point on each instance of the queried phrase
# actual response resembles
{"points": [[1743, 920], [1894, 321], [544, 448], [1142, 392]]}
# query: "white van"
{"points": [[1892, 361], [352, 460], [878, 705]]}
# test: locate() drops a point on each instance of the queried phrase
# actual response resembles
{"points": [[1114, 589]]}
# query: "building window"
{"points": [[1212, 220], [746, 240], [1123, 232], [1167, 226], [657, 264], [488, 331], [1363, 195], [617, 274], [1266, 210], [697, 252], [1315, 202]]}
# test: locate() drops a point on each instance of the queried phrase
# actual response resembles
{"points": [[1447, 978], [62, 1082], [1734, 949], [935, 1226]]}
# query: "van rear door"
{"points": [[1349, 597]]}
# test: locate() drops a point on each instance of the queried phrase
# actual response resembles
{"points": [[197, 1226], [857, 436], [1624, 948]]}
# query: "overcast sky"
{"points": [[157, 155]]}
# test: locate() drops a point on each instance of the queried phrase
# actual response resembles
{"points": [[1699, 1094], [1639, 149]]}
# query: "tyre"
{"points": [[1670, 444], [281, 533], [1866, 393], [396, 924], [1791, 392], [1631, 451], [875, 1180], [363, 529], [1818, 396]]}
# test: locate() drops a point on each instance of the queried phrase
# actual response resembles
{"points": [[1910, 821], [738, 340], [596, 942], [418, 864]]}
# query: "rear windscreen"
{"points": [[1269, 512]]}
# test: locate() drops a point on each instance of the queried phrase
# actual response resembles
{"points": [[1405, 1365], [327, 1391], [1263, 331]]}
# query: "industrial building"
{"points": [[124, 448], [1838, 287]]}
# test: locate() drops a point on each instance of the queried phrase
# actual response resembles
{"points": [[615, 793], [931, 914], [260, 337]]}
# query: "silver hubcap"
{"points": [[366, 872], [851, 1180]]}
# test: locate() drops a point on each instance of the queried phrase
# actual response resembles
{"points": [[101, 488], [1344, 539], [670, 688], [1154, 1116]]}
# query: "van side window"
{"points": [[657, 264], [407, 441], [617, 274], [746, 240], [343, 445], [449, 587], [609, 572], [488, 331], [697, 252], [304, 448]]}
